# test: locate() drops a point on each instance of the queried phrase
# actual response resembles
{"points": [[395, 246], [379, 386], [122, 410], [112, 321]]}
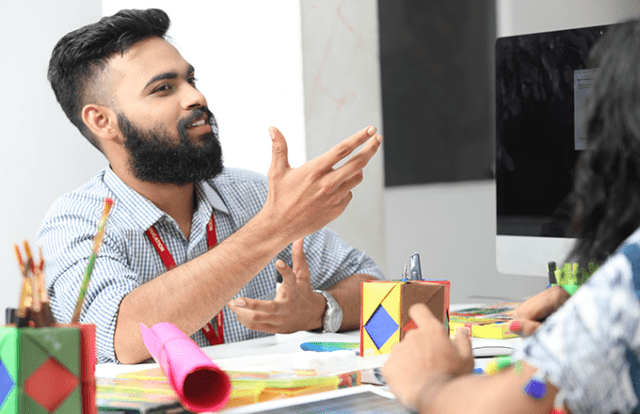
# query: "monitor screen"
{"points": [[542, 80]]}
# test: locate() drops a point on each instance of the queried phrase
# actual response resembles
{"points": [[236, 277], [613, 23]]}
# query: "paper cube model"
{"points": [[42, 371], [384, 318]]}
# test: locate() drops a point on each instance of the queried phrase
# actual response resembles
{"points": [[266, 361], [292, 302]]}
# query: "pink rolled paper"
{"points": [[199, 383]]}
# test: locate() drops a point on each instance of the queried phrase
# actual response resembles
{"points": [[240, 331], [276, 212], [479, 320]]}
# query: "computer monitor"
{"points": [[542, 80]]}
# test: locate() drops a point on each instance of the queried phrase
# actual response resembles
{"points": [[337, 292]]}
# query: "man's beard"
{"points": [[155, 156]]}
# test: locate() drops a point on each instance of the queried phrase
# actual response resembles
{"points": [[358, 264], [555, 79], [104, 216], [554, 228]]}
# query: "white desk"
{"points": [[275, 344], [271, 345], [263, 348]]}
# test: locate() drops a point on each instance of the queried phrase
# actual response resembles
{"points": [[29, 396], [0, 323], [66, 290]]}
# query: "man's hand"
{"points": [[531, 313], [295, 307], [299, 202], [426, 358], [303, 200]]}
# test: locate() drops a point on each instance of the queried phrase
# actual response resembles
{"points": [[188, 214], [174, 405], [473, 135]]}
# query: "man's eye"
{"points": [[193, 81], [162, 88]]}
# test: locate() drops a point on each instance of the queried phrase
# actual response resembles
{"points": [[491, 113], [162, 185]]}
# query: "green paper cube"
{"points": [[40, 370]]}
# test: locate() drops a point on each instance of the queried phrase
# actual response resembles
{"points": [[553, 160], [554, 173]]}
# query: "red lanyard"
{"points": [[215, 335]]}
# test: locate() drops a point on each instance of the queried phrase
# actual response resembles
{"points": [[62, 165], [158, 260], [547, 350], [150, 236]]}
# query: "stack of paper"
{"points": [[491, 321], [265, 377]]}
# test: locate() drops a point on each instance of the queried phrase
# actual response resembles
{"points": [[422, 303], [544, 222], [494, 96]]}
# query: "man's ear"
{"points": [[101, 120]]}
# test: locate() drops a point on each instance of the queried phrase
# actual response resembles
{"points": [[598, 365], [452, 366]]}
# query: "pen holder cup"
{"points": [[384, 317], [48, 370]]}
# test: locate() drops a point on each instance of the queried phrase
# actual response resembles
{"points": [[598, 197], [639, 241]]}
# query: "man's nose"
{"points": [[193, 98]]}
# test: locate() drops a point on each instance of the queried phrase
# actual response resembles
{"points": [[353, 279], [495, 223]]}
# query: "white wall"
{"points": [[43, 155], [252, 75], [341, 96], [453, 226], [248, 65]]}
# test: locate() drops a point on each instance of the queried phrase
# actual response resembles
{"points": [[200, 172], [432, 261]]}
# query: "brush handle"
{"points": [[97, 241], [83, 288]]}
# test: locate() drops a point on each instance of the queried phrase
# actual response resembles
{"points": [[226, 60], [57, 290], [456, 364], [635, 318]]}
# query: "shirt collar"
{"points": [[141, 211], [214, 198], [144, 212]]}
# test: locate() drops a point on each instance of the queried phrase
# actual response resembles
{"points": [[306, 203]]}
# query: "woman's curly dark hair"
{"points": [[607, 182]]}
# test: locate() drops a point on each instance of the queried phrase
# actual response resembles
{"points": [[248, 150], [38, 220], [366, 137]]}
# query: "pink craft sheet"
{"points": [[199, 383]]}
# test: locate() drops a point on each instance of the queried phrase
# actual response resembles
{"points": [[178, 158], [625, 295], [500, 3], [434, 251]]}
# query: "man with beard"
{"points": [[188, 241]]}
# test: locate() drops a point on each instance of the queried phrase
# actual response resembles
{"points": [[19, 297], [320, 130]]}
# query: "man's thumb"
{"points": [[280, 155]]}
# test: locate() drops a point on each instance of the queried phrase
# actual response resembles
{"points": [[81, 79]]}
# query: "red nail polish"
{"points": [[514, 326]]}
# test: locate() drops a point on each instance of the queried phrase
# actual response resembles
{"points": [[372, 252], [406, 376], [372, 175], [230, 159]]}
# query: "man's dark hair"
{"points": [[607, 184], [80, 56]]}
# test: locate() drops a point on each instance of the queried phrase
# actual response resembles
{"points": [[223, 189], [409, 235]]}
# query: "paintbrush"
{"points": [[20, 314], [47, 315], [97, 242]]}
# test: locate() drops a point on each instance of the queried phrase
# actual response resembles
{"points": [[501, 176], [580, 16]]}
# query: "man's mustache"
{"points": [[196, 114]]}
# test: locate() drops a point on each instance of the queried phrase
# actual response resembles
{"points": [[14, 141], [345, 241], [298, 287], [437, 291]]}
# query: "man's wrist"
{"points": [[318, 318], [265, 226]]}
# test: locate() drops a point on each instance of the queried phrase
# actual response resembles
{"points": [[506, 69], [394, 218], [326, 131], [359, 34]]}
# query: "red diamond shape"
{"points": [[50, 384]]}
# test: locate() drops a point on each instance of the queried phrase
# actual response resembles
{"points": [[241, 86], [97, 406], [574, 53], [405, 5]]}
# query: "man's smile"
{"points": [[197, 123], [200, 126]]}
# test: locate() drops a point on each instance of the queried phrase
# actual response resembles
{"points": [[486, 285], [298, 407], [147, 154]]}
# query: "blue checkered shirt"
{"points": [[127, 259], [589, 348]]}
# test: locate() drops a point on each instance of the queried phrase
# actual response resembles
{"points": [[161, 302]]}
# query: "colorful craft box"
{"points": [[384, 318], [495, 330], [47, 370], [490, 321]]}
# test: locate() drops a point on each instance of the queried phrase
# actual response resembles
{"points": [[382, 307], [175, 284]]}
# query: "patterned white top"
{"points": [[589, 348], [127, 258]]}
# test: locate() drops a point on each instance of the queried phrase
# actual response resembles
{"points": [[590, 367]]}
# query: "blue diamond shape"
{"points": [[6, 383], [381, 326]]}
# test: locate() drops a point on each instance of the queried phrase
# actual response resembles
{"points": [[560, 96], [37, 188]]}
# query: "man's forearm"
{"points": [[299, 202], [190, 295]]}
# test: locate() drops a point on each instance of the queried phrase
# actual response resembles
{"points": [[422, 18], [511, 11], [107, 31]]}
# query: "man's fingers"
{"points": [[343, 149], [351, 171], [253, 316], [279, 151], [300, 267], [348, 185], [260, 308], [288, 276]]}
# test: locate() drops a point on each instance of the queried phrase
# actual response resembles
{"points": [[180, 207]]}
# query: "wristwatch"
{"points": [[332, 318]]}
